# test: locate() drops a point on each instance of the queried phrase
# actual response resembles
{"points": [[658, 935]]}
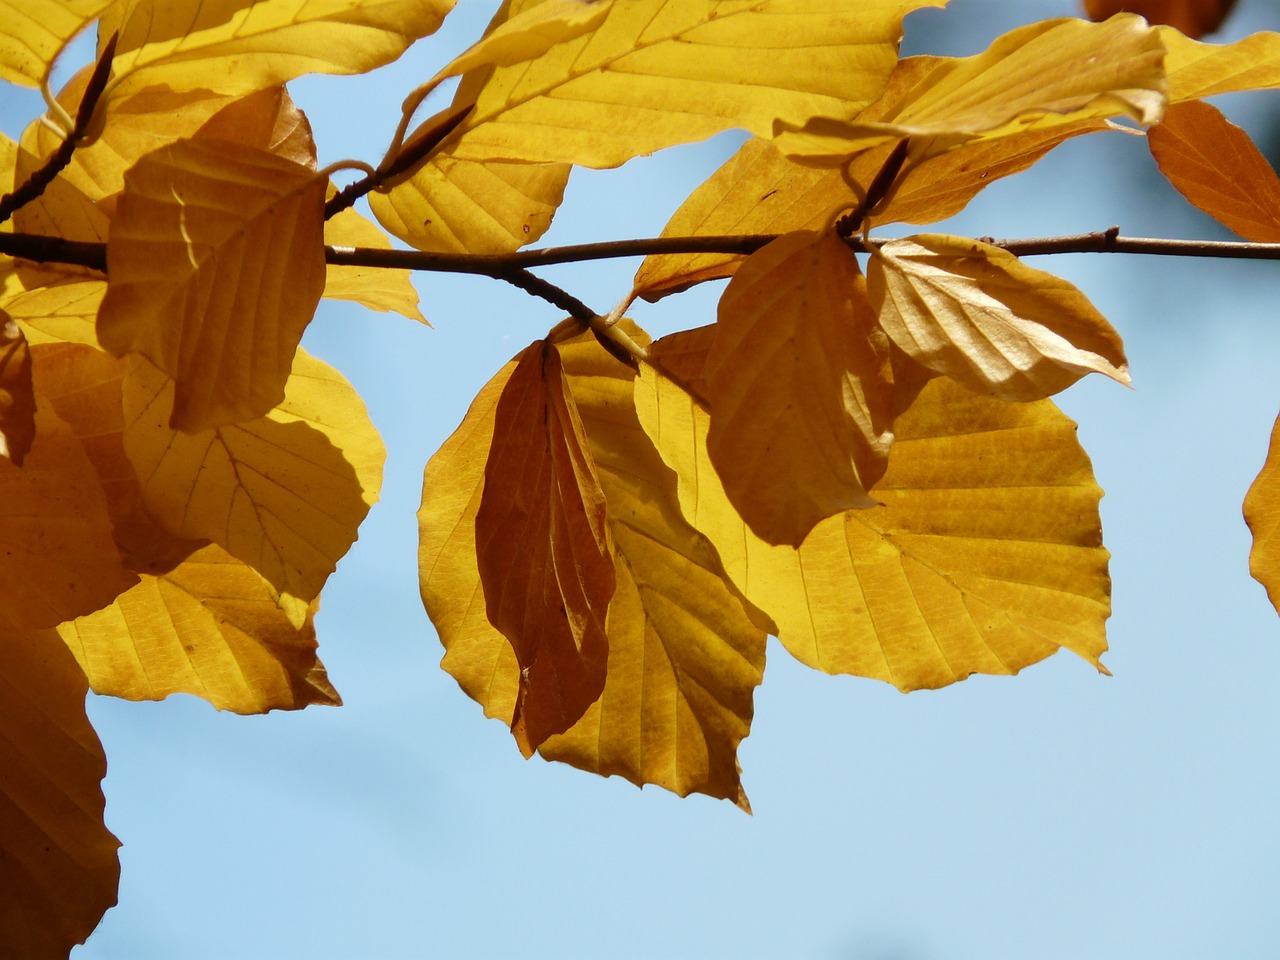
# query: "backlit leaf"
{"points": [[64, 313], [1193, 17], [1197, 70], [798, 378], [17, 398], [59, 557], [60, 865], [1262, 513], [210, 628], [284, 493], [33, 32], [978, 314], [377, 289], [1215, 165], [238, 46], [543, 550], [1043, 74], [984, 556], [660, 72], [216, 264]]}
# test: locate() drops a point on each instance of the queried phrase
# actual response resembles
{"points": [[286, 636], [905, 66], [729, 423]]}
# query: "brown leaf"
{"points": [[1262, 513], [1217, 167], [799, 384], [1193, 17], [17, 397], [544, 553]]}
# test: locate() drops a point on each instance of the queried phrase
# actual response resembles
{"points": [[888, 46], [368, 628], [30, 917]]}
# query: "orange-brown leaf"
{"points": [[17, 397], [1193, 17], [798, 379], [58, 862], [216, 264], [544, 553], [1217, 167], [1262, 513]]}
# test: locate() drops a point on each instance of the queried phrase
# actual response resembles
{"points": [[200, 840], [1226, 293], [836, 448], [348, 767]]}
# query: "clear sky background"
{"points": [[1058, 814]]}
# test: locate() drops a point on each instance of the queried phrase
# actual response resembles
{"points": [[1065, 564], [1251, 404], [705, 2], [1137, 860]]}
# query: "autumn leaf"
{"points": [[17, 396], [63, 313], [798, 377], [239, 46], [684, 657], [655, 73], [543, 548], [35, 31], [60, 864], [208, 627], [1262, 514], [1215, 165], [216, 264], [984, 555], [285, 493], [1196, 70], [1192, 17], [376, 289], [978, 314]]}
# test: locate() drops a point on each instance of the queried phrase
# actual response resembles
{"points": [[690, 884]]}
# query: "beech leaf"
{"points": [[60, 864], [978, 314], [17, 396], [543, 548], [1192, 17], [1197, 70], [798, 376], [216, 264], [35, 31], [1262, 513]]}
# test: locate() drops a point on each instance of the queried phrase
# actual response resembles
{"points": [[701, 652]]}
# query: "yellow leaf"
{"points": [[269, 120], [17, 397], [984, 556], [60, 865], [1043, 74], [973, 312], [377, 289], [1262, 513], [238, 46], [1193, 17], [798, 376], [542, 548], [59, 556], [684, 657], [655, 73], [33, 33], [284, 493], [209, 628], [1215, 165], [216, 264], [64, 313], [1199, 70]]}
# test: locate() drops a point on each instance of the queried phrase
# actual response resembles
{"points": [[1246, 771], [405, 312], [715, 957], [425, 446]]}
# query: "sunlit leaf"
{"points": [[1262, 513], [978, 314], [377, 289], [543, 549], [1193, 17], [63, 313], [284, 493], [1043, 74], [209, 627], [216, 264], [33, 32], [1199, 70], [17, 398], [984, 556], [798, 377], [60, 868], [1215, 165], [655, 73]]}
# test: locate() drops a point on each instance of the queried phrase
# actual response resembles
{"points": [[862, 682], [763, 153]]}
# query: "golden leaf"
{"points": [[1262, 513], [17, 397], [1043, 74], [984, 555], [33, 33], [1215, 165], [60, 864], [798, 376], [1192, 17], [377, 289], [973, 312], [284, 493], [238, 46], [64, 313], [210, 628], [655, 73], [1197, 70], [216, 264], [542, 548], [59, 556], [684, 657]]}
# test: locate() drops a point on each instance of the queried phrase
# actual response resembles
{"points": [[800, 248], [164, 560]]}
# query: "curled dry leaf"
{"points": [[977, 314], [543, 549], [798, 378]]}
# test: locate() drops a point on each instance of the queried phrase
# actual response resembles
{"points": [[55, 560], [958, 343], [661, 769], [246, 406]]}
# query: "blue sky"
{"points": [[1058, 814]]}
